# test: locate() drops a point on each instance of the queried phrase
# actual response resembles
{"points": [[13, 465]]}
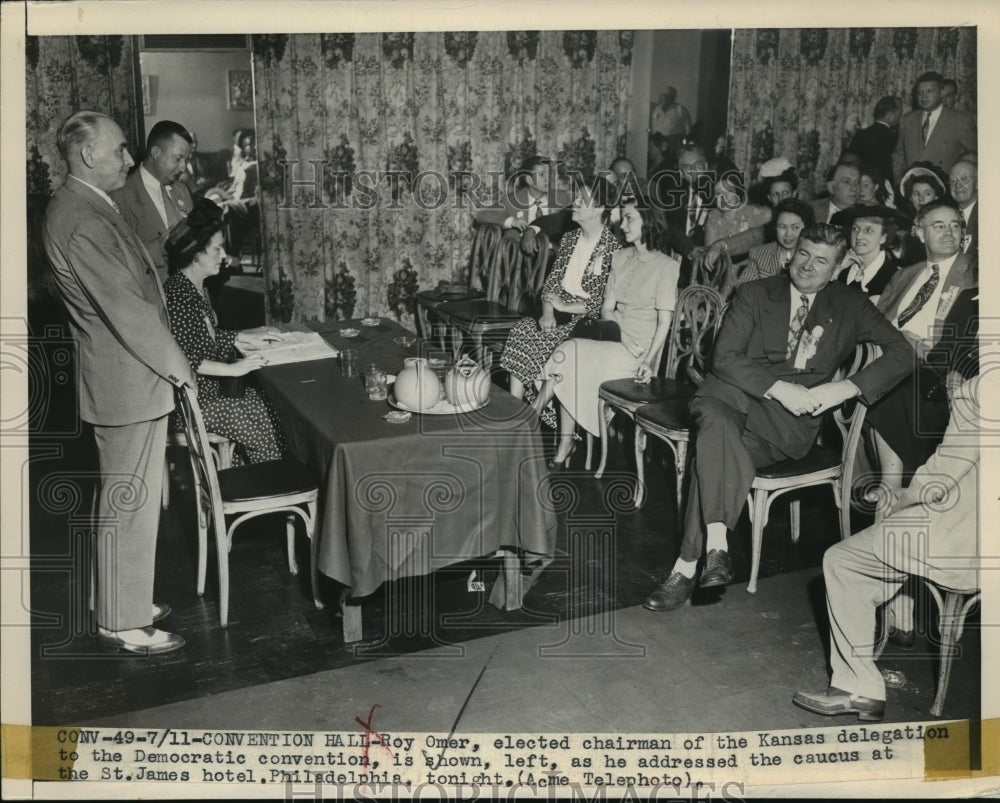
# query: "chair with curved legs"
{"points": [[953, 607], [822, 465], [695, 318], [222, 454], [235, 495]]}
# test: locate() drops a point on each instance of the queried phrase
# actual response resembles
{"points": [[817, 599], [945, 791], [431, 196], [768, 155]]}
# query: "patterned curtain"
{"points": [[66, 74], [802, 93], [424, 105]]}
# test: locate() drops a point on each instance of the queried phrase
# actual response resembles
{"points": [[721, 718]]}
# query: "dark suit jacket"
{"points": [[953, 135], [972, 230], [140, 213], [877, 283], [129, 360], [749, 355], [959, 277], [875, 145]]}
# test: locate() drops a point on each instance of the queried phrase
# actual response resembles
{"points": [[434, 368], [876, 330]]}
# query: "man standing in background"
{"points": [[154, 198], [670, 119]]}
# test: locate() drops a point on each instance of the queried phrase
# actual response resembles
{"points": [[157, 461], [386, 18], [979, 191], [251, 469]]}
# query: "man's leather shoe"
{"points": [[673, 593], [160, 611], [902, 639], [718, 569], [835, 701], [141, 641]]}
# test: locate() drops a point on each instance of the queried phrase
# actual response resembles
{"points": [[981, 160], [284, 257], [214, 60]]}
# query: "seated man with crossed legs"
{"points": [[782, 340]]}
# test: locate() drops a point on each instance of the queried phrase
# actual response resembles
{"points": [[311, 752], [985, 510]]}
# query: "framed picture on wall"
{"points": [[147, 95], [240, 92]]}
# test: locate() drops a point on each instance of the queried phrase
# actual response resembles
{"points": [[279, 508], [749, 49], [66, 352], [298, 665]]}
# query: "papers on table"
{"points": [[277, 348]]}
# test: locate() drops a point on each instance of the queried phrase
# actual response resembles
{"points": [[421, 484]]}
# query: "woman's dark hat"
{"points": [[846, 217]]}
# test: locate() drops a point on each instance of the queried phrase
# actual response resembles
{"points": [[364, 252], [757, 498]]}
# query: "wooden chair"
{"points": [[953, 608], [222, 454], [697, 314], [669, 418], [243, 493], [513, 288], [823, 465], [485, 242]]}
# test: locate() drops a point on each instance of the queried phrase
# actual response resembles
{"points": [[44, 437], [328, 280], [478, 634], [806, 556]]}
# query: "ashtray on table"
{"points": [[349, 332]]}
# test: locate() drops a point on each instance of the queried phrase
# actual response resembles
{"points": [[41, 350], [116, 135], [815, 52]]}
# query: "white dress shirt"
{"points": [[869, 271], [922, 324], [102, 193], [152, 185], [935, 115]]}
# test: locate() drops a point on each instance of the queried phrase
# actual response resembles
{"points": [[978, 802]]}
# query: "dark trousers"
{"points": [[726, 459]]}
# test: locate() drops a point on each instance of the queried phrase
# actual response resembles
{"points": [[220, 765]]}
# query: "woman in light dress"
{"points": [[640, 297]]}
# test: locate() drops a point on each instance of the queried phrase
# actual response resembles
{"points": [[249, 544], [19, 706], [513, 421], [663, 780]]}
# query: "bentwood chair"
{"points": [[234, 495], [697, 314], [953, 608], [485, 242], [669, 418], [222, 454], [822, 465], [513, 289]]}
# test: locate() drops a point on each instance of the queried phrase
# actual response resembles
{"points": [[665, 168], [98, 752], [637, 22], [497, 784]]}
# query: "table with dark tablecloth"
{"points": [[401, 500]]}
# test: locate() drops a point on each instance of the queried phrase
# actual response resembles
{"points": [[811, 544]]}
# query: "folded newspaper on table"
{"points": [[278, 347]]}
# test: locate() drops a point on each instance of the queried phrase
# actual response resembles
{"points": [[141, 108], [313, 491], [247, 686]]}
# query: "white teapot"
{"points": [[417, 386], [467, 384]]}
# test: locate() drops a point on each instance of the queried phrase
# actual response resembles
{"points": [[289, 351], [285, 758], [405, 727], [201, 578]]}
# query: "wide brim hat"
{"points": [[923, 172], [845, 217]]}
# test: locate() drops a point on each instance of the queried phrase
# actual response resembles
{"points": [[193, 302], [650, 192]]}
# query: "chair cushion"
{"points": [[635, 393], [818, 459], [668, 414], [478, 311], [265, 480]]}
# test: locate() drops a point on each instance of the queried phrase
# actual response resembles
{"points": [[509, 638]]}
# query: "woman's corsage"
{"points": [[807, 347]]}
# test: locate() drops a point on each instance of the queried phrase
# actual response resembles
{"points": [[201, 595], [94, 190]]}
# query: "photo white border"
{"points": [[255, 16]]}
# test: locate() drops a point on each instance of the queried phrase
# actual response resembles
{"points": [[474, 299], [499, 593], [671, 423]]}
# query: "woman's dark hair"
{"points": [[653, 236], [190, 236], [878, 179], [527, 168], [791, 206], [600, 190]]}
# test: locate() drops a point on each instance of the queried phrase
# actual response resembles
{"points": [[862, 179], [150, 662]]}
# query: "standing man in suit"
{"points": [[876, 143], [949, 93], [154, 198], [964, 183], [843, 182], [782, 340], [129, 367], [869, 568], [932, 132]]}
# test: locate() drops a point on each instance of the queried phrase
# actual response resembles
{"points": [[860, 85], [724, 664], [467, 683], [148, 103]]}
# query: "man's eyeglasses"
{"points": [[939, 227]]}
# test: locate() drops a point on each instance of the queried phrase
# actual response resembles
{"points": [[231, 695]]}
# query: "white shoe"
{"points": [[140, 640]]}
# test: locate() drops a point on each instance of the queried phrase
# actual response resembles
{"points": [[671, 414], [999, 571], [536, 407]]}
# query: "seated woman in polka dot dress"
{"points": [[195, 250]]}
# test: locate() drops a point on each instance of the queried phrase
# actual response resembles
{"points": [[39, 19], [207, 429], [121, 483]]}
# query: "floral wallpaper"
{"points": [[409, 126], [65, 74], [802, 93]]}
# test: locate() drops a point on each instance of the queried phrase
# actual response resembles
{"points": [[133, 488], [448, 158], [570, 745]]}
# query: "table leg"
{"points": [[353, 629]]}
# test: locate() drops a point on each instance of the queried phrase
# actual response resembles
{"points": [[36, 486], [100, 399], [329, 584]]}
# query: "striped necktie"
{"points": [[170, 207], [924, 293], [795, 330]]}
